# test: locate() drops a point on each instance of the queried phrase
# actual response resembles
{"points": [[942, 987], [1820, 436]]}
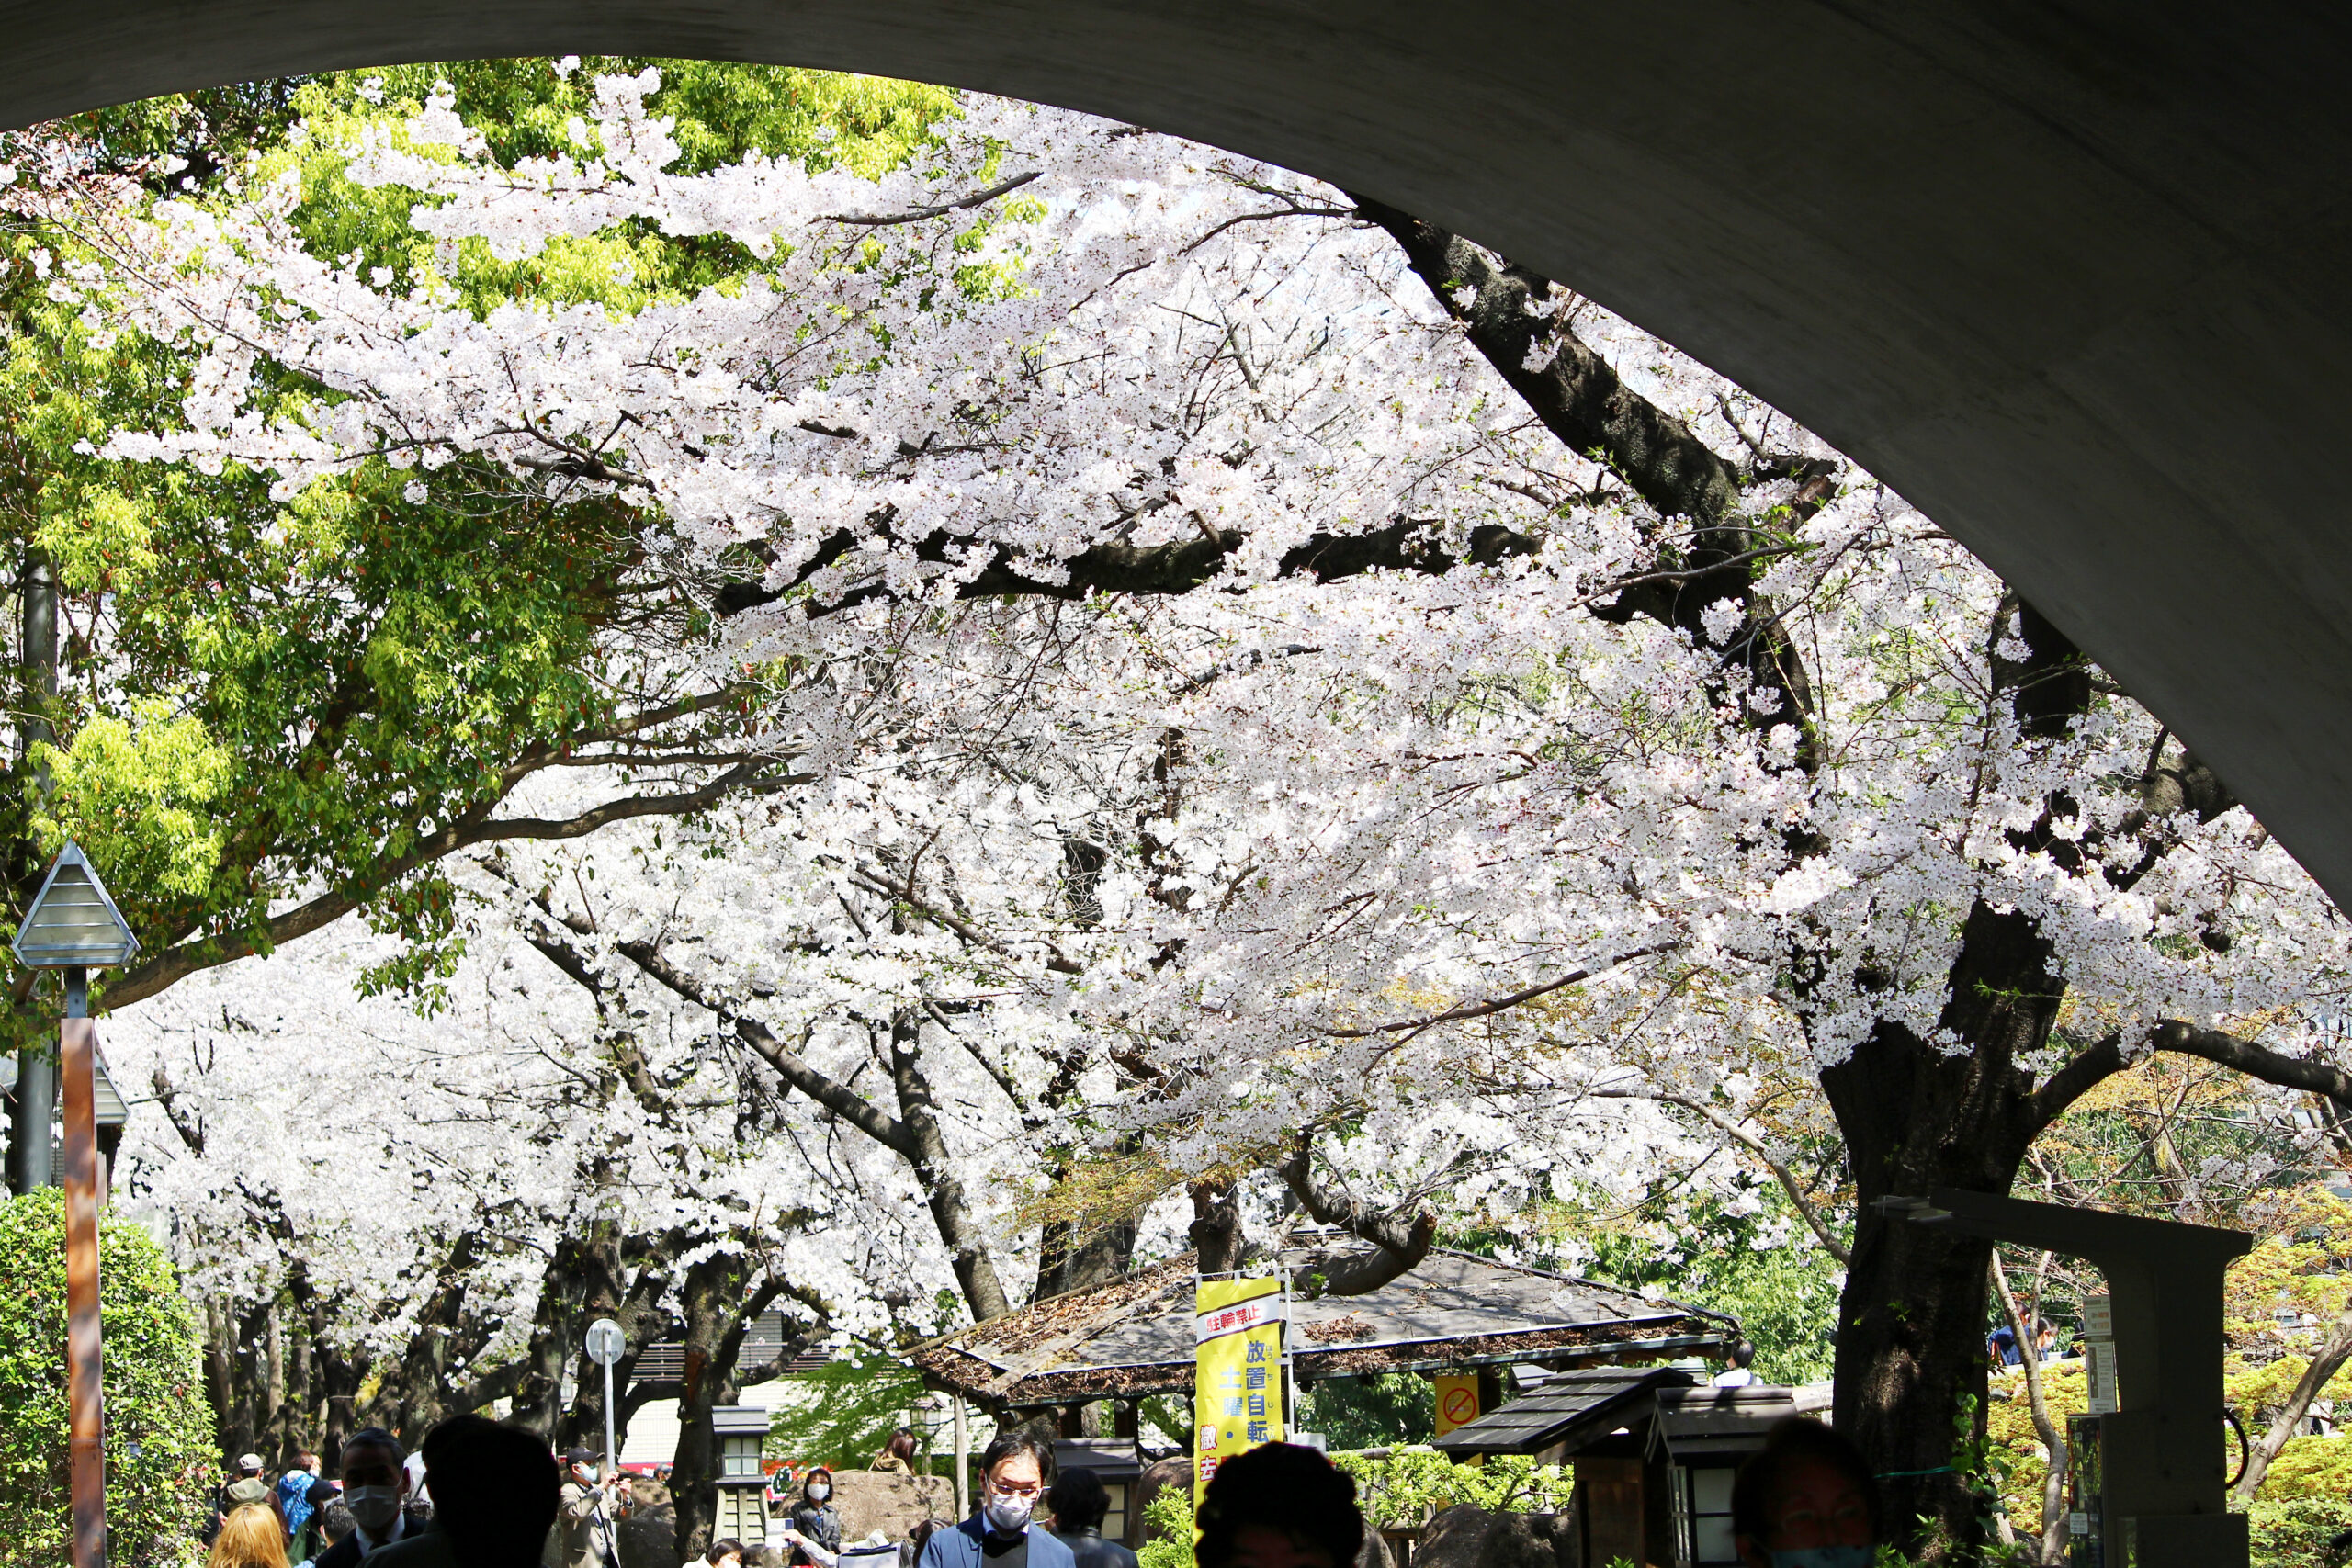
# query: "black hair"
{"points": [[1743, 1354], [1285, 1487], [494, 1490], [1079, 1500], [721, 1547], [372, 1437], [1790, 1438], [1020, 1441], [813, 1472], [336, 1521]]}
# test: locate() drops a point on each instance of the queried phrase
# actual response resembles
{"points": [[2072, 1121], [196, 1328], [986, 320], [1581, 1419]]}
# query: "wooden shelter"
{"points": [[1653, 1452], [1455, 1312]]}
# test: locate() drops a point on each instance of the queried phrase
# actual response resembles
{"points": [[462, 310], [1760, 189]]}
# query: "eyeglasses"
{"points": [[1002, 1490]]}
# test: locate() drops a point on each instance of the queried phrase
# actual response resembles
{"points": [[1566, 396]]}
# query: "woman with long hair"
{"points": [[250, 1537]]}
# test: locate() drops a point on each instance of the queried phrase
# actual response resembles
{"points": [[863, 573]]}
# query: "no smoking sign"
{"points": [[1457, 1401]]}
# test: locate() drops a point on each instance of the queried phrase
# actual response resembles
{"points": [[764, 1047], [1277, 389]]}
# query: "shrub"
{"points": [[1411, 1483], [159, 1429]]}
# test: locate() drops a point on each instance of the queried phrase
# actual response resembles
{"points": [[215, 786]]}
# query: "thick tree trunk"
{"points": [[635, 1305], [1912, 1321], [712, 1303], [556, 1325]]}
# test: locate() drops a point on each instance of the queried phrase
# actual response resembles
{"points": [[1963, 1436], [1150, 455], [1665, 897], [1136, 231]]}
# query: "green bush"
{"points": [[159, 1429], [1412, 1483], [1168, 1529], [2296, 1530]]}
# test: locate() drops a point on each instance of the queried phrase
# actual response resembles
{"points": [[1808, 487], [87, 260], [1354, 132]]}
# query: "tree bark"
{"points": [[555, 1323], [934, 1171], [2051, 1545], [1911, 1320], [2326, 1363], [1216, 1227], [709, 1299]]}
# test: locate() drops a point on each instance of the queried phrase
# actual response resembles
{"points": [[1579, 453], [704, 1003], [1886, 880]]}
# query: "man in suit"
{"points": [[1014, 1474], [375, 1488]]}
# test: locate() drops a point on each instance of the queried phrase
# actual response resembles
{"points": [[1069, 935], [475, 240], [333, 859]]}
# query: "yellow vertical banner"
{"points": [[1457, 1400], [1236, 1371]]}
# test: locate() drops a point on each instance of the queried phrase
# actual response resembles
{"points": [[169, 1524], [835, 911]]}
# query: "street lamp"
{"points": [[73, 926]]}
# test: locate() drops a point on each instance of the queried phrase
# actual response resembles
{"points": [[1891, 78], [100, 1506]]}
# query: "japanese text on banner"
{"points": [[1236, 1371]]}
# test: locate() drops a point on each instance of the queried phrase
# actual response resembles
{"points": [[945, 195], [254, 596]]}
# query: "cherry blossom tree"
{"points": [[1266, 685]]}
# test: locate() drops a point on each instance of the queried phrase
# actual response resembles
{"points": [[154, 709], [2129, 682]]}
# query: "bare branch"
{"points": [[1408, 1028], [1400, 1241], [1806, 1209], [978, 198]]}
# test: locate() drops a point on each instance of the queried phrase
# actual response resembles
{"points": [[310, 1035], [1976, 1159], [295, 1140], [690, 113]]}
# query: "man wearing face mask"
{"points": [[375, 1488], [1014, 1474], [1805, 1500], [585, 1510]]}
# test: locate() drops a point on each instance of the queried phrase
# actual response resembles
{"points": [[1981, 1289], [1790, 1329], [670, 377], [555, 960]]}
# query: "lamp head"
{"points": [[72, 924]]}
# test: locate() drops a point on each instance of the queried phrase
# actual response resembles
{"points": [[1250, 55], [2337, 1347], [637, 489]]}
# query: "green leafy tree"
{"points": [[275, 711], [1381, 1411], [1755, 1265], [159, 1430], [847, 1410]]}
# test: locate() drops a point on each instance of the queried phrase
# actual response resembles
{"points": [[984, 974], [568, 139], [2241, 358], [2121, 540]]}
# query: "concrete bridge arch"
{"points": [[2071, 274]]}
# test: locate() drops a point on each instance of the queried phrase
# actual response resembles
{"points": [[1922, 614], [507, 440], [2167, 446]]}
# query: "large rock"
{"points": [[1473, 1537], [890, 1501], [1156, 1478]]}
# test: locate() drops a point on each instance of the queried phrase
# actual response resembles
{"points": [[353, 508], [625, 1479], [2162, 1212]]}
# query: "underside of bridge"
{"points": [[2070, 274]]}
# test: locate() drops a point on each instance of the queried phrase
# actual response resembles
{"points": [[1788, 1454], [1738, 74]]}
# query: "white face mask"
{"points": [[818, 1490], [1008, 1515], [374, 1507]]}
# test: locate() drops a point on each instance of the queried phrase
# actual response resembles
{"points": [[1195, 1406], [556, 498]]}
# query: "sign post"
{"points": [[73, 926], [605, 1343], [1237, 1368]]}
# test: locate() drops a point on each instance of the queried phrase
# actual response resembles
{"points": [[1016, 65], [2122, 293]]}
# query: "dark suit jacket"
{"points": [[345, 1553], [1092, 1551]]}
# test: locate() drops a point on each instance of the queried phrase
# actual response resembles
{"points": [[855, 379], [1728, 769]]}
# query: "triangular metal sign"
{"points": [[73, 923]]}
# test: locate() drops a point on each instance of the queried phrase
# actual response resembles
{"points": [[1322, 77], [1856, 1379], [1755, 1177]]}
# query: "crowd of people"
{"points": [[481, 1495]]}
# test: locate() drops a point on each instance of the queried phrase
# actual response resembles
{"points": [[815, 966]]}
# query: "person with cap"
{"points": [[586, 1509], [244, 1488]]}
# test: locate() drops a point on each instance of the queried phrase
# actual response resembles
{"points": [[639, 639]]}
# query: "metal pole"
{"points": [[612, 1459], [36, 1106], [962, 1464], [86, 1412]]}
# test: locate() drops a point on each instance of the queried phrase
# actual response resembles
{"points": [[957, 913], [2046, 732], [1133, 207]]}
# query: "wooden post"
{"points": [[963, 1462], [78, 1039]]}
